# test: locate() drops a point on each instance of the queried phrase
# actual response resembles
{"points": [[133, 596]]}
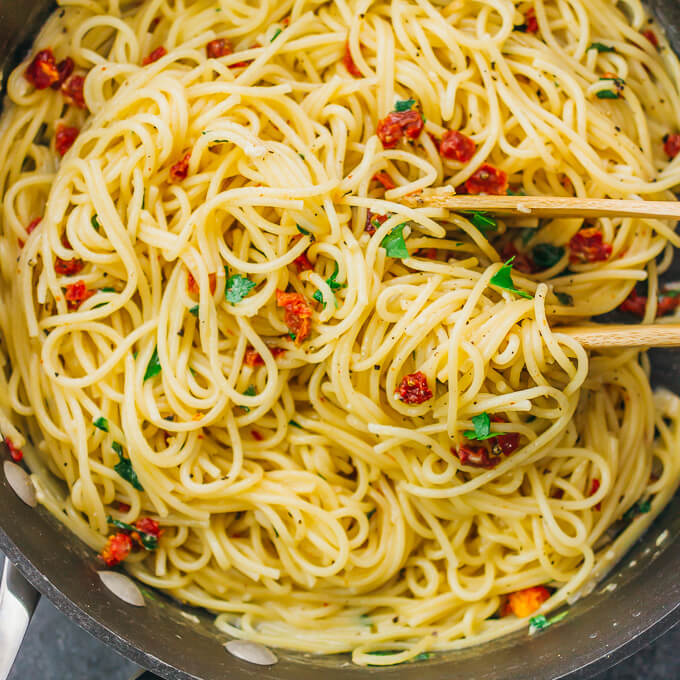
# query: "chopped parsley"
{"points": [[194, 310], [619, 84], [394, 243], [601, 48], [295, 424], [250, 392], [503, 279], [639, 508], [540, 622], [332, 284], [149, 541], [404, 105], [301, 230], [94, 221], [101, 424], [107, 289], [237, 288], [483, 222], [546, 255], [124, 467], [153, 368], [277, 33], [482, 425], [423, 656]]}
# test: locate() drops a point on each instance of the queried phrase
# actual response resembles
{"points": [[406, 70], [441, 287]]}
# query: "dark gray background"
{"points": [[56, 649]]}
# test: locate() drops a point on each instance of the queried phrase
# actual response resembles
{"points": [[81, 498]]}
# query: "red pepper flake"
{"points": [[64, 69], [77, 293], [192, 284], [594, 486], [373, 221], [348, 61], [488, 180], [384, 179], [504, 444], [277, 351], [246, 62], [117, 548], [525, 602], [219, 48], [257, 436], [72, 89], [297, 314], [253, 358], [29, 228], [179, 170], [399, 124], [522, 262], [154, 56], [64, 138], [475, 456], [42, 72], [68, 267], [530, 21], [302, 264], [671, 145], [16, 453], [587, 246], [651, 36], [414, 389], [456, 146]]}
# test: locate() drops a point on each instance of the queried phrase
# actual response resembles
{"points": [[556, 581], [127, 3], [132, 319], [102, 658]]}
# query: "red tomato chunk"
{"points": [[117, 548], [488, 180], [456, 146], [414, 389], [218, 48], [297, 314], [77, 293], [399, 124], [42, 72], [587, 245]]}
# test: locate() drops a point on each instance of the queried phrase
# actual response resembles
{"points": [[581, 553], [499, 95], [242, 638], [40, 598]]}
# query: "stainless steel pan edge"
{"points": [[636, 604]]}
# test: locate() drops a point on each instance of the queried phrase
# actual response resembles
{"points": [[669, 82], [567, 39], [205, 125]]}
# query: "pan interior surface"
{"points": [[637, 602]]}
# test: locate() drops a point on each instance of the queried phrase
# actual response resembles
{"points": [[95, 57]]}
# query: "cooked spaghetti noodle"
{"points": [[357, 428]]}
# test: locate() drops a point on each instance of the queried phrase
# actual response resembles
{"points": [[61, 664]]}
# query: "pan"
{"points": [[635, 604]]}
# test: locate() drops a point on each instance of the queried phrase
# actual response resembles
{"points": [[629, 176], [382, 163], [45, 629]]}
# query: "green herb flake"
{"points": [[124, 467], [295, 424], [237, 288], [601, 48], [332, 284], [482, 425], [503, 279], [639, 508], [153, 368], [107, 289], [277, 33], [149, 541], [404, 105], [101, 423], [250, 392], [94, 221], [564, 298], [546, 255], [394, 243], [483, 222], [301, 230], [540, 622], [194, 310], [608, 94]]}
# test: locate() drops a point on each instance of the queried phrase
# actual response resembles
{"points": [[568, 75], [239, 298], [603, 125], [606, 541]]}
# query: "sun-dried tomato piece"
{"points": [[68, 267], [414, 389], [123, 507], [399, 124], [530, 21], [64, 69], [42, 72], [179, 170], [587, 245], [297, 314], [525, 602], [503, 444], [302, 264], [594, 486], [671, 145], [475, 456], [77, 293], [651, 36], [154, 56], [148, 526], [384, 179], [487, 180], [192, 284], [348, 61], [64, 138], [636, 304], [117, 548], [456, 146], [253, 358], [220, 47], [72, 89], [373, 221], [16, 453], [522, 262]]}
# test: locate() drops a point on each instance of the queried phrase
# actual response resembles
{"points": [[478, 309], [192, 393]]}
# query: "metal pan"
{"points": [[637, 603]]}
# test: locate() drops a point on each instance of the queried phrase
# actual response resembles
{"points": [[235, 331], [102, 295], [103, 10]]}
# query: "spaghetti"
{"points": [[275, 392]]}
